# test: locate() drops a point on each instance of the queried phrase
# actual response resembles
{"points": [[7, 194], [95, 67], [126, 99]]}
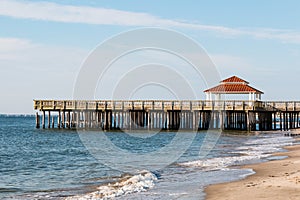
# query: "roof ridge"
{"points": [[234, 79]]}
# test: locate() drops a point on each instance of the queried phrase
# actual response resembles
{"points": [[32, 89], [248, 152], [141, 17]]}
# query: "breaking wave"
{"points": [[127, 185], [253, 150]]}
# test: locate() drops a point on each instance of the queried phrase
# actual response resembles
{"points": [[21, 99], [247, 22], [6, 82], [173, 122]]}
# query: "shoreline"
{"points": [[274, 179]]}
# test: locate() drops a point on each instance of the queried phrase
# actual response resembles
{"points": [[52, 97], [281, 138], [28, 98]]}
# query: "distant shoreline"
{"points": [[16, 115]]}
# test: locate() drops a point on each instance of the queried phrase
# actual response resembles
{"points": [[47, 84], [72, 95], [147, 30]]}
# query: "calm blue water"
{"points": [[53, 164]]}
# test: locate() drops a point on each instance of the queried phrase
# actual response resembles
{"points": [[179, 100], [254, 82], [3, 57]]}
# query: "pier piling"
{"points": [[43, 119], [37, 120]]}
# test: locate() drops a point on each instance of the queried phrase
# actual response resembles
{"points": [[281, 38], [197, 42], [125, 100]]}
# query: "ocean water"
{"points": [[56, 164]]}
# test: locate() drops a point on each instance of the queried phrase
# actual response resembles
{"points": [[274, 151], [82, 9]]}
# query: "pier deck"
{"points": [[169, 114]]}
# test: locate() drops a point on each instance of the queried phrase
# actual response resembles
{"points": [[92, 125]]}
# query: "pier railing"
{"points": [[280, 105], [165, 105], [145, 105]]}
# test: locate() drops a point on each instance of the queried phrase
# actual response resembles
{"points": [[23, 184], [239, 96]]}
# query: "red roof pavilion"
{"points": [[233, 85]]}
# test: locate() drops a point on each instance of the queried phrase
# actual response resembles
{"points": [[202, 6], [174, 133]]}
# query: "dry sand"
{"points": [[278, 179]]}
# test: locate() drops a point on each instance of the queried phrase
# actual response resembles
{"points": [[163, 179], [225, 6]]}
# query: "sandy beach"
{"points": [[277, 179]]}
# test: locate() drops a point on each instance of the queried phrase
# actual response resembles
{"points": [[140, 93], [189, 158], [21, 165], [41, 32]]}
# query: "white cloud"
{"points": [[23, 52], [9, 47], [76, 14], [90, 15], [30, 70], [287, 36], [12, 44]]}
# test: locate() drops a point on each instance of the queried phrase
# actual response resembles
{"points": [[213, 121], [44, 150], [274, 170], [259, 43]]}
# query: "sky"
{"points": [[43, 44]]}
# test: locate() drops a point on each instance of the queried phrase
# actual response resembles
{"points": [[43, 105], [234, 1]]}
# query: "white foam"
{"points": [[276, 140], [137, 183], [253, 149], [222, 162]]}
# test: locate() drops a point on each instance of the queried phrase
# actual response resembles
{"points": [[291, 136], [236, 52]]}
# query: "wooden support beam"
{"points": [[59, 120], [43, 119], [52, 121], [37, 120], [49, 119]]}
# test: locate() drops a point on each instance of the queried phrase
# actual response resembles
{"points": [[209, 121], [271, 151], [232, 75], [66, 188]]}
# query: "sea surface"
{"points": [[55, 163]]}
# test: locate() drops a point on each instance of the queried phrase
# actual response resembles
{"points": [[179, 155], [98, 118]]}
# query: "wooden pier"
{"points": [[167, 115]]}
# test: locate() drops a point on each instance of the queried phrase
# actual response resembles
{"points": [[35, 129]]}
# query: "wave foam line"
{"points": [[222, 162], [137, 183], [254, 149]]}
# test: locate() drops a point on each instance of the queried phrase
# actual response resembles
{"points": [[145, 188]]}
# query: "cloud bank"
{"points": [[47, 11]]}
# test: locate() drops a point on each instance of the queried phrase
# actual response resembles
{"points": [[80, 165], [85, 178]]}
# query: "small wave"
{"points": [[222, 162], [3, 190], [127, 185], [276, 140], [252, 150]]}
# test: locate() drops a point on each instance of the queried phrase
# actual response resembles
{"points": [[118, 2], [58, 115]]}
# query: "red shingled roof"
{"points": [[233, 88], [233, 85], [234, 79]]}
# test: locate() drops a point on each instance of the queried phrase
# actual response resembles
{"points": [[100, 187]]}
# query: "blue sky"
{"points": [[44, 43]]}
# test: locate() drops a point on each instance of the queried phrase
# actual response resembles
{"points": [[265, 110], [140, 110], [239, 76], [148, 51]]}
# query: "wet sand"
{"points": [[277, 179]]}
